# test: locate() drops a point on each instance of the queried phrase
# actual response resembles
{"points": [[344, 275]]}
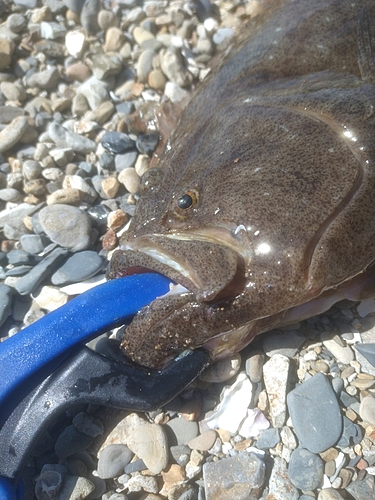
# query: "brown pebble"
{"points": [[362, 384], [157, 79], [351, 414], [68, 196], [109, 241], [114, 39], [242, 445], [330, 468], [117, 219], [110, 186], [330, 454], [346, 476], [204, 441], [362, 464], [191, 410], [224, 435], [8, 245], [137, 89], [174, 474], [122, 126], [78, 71], [37, 187]]}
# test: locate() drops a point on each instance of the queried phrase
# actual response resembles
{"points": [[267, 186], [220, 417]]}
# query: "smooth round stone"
{"points": [[329, 494], [67, 196], [305, 469], [112, 460], [130, 179], [10, 194], [367, 410], [31, 169], [146, 143], [107, 19], [13, 92], [6, 51], [142, 164], [78, 71], [114, 39], [6, 293], [181, 431], [254, 366], [16, 23], [149, 442], [79, 267], [13, 132], [144, 65], [222, 370], [117, 142], [126, 160], [316, 429], [67, 226], [157, 79], [45, 80]]}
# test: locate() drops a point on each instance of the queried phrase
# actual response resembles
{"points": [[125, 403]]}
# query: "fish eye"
{"points": [[185, 202]]}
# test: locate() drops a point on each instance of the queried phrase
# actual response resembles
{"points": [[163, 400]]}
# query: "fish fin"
{"points": [[366, 44]]}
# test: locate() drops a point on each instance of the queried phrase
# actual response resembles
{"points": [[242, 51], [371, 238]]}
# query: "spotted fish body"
{"points": [[263, 204]]}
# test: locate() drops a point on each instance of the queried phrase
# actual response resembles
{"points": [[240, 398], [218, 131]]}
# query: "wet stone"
{"points": [[146, 143], [317, 430], [243, 482], [117, 142], [79, 267], [305, 469]]}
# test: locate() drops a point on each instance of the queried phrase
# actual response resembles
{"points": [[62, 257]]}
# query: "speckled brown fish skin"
{"points": [[276, 151]]}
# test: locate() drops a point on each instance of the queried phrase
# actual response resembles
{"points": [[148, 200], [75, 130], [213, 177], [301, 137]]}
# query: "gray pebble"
{"points": [[113, 459], [126, 160], [17, 257], [10, 194], [181, 454], [268, 439], [316, 429], [31, 169], [87, 424], [94, 91], [181, 431], [81, 266], [16, 23], [286, 343], [89, 16], [71, 441], [362, 490], [13, 133], [105, 65], [337, 384], [305, 469], [351, 434], [64, 138], [6, 293], [40, 272], [136, 466], [190, 494], [18, 270], [9, 113], [67, 226], [46, 79], [145, 65]]}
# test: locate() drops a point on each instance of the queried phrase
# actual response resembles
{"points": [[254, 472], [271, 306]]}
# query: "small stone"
{"points": [[67, 196], [362, 490], [78, 71], [89, 16], [157, 79], [126, 160], [33, 243], [117, 142], [45, 80], [268, 439], [13, 92], [117, 219], [181, 454], [142, 36], [203, 442], [149, 442], [145, 483], [105, 65], [79, 267], [367, 410], [51, 298], [223, 370], [130, 179], [48, 483], [174, 474], [13, 132], [142, 164], [67, 226], [76, 488], [71, 441], [330, 468], [107, 19], [110, 186], [103, 112], [6, 293], [305, 469], [254, 366], [283, 343], [276, 372], [221, 35], [316, 430], [109, 241], [181, 431], [192, 409], [114, 39], [330, 454], [6, 51], [16, 23], [40, 272], [52, 30], [244, 482], [64, 138], [146, 143], [144, 66], [173, 67], [95, 92], [329, 494], [112, 460], [343, 354]]}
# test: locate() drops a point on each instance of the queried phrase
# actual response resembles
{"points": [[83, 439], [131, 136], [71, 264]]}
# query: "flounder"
{"points": [[263, 204]]}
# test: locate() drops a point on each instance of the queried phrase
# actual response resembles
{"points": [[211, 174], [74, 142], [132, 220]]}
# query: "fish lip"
{"points": [[156, 258]]}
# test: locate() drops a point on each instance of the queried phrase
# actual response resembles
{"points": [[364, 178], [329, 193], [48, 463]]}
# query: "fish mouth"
{"points": [[210, 264]]}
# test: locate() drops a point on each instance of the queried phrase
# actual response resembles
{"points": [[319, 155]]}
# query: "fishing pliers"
{"points": [[47, 368]]}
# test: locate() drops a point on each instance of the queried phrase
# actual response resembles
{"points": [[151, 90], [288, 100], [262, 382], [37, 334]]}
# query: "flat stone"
{"points": [[329, 494], [204, 441], [275, 373], [181, 431], [240, 477], [67, 226], [367, 410], [40, 272], [285, 343], [362, 490], [13, 133], [344, 354], [149, 442], [112, 460], [316, 429], [305, 469], [367, 351], [79, 267]]}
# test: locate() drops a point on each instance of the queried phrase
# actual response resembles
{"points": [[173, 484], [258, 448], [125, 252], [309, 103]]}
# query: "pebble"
{"points": [[126, 160], [222, 371], [284, 343], [149, 442], [112, 460], [146, 143], [181, 431], [6, 293], [6, 52], [276, 372], [71, 441], [268, 438], [13, 132], [130, 179], [204, 441], [50, 298], [40, 272], [79, 267], [367, 410], [305, 469], [254, 366], [64, 138], [305, 403], [344, 354], [244, 482], [67, 226], [117, 142]]}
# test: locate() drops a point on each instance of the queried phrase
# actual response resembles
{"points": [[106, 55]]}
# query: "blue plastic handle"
{"points": [[65, 329]]}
